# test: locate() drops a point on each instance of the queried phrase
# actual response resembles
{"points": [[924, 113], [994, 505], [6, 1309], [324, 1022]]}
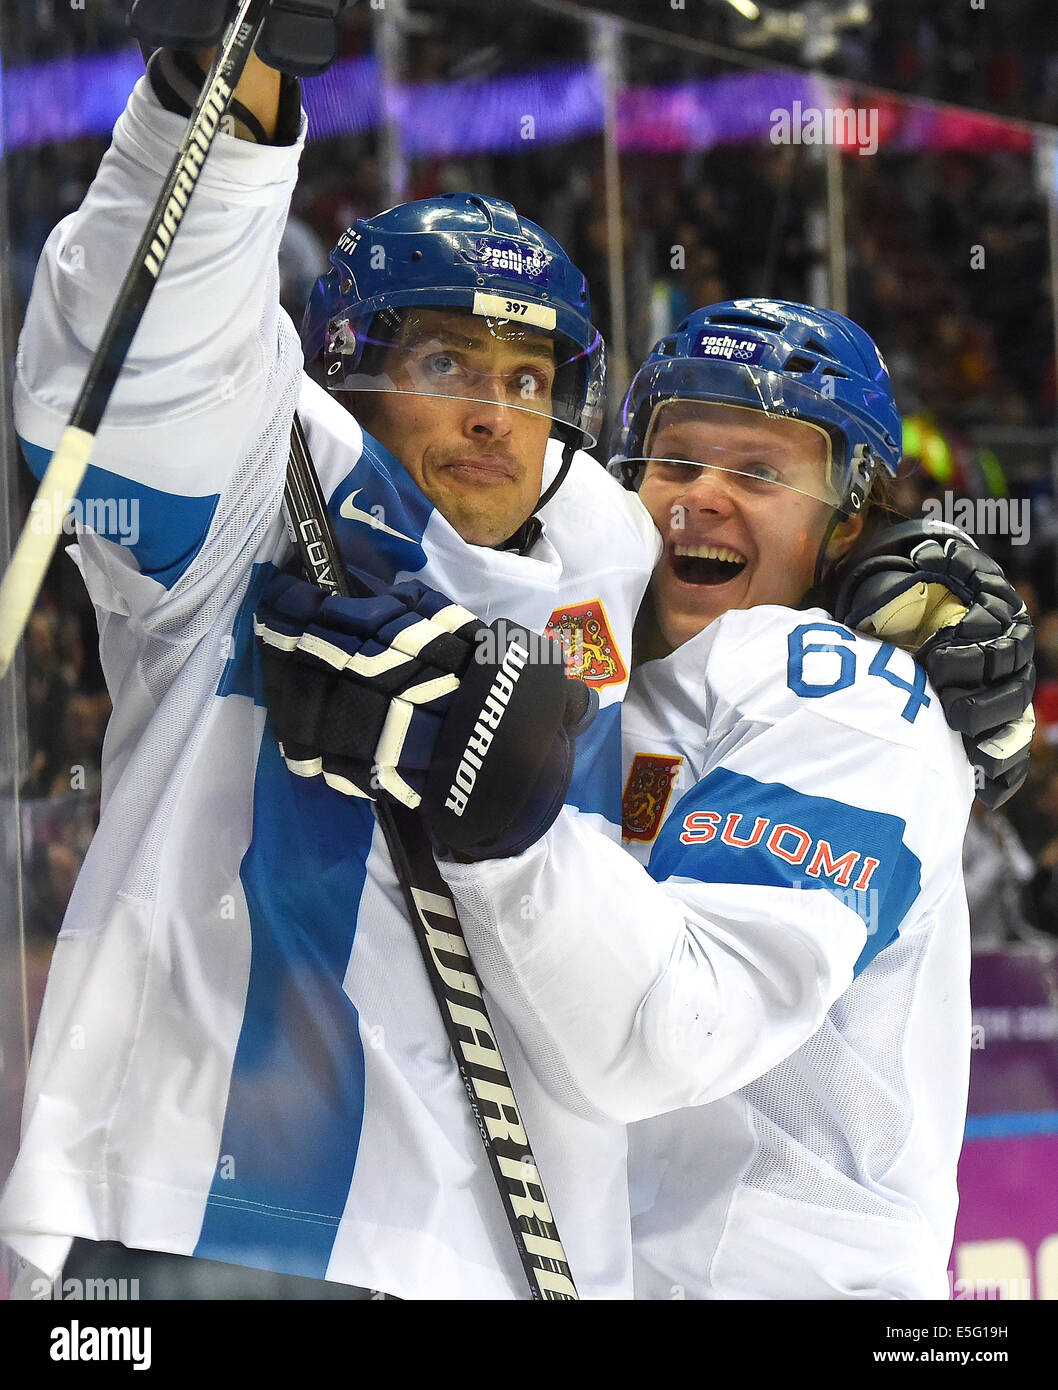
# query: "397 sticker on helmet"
{"points": [[498, 306]]}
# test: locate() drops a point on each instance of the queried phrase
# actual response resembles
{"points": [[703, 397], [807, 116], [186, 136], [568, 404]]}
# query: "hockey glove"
{"points": [[299, 36], [925, 586], [405, 696]]}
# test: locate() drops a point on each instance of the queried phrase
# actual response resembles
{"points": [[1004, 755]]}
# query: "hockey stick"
{"points": [[444, 951], [69, 463]]}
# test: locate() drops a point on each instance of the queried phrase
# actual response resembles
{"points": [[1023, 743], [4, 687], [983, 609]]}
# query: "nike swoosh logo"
{"points": [[351, 512]]}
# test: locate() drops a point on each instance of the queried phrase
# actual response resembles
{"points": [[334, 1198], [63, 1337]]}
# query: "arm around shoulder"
{"points": [[650, 996]]}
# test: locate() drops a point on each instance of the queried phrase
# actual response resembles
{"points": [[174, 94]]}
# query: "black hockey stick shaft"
{"points": [[69, 463], [451, 972]]}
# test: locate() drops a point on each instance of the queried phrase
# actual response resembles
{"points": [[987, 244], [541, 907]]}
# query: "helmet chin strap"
{"points": [[527, 535], [852, 504], [837, 516]]}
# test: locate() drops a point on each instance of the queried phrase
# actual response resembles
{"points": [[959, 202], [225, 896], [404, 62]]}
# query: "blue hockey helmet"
{"points": [[470, 254], [788, 360]]}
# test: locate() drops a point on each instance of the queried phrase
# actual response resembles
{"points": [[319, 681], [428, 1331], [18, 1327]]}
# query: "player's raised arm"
{"points": [[257, 94], [212, 350]]}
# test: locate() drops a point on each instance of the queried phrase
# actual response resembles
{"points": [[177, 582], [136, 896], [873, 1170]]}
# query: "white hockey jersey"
{"points": [[781, 997], [239, 1055]]}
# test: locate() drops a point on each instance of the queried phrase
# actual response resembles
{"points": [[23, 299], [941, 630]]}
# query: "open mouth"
{"points": [[706, 564]]}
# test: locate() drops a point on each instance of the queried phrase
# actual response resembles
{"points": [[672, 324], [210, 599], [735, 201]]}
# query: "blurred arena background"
{"points": [[645, 136]]}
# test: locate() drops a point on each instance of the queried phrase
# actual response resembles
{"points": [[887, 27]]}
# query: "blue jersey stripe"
{"points": [[299, 1063], [242, 674], [792, 840], [596, 781], [385, 515], [1012, 1125], [163, 530], [276, 1200]]}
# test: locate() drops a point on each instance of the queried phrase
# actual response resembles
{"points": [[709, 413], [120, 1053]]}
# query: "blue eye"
{"points": [[442, 364], [762, 472]]}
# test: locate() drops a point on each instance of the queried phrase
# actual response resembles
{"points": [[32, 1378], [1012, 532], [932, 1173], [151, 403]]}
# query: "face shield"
{"points": [[519, 366], [756, 429], [752, 453]]}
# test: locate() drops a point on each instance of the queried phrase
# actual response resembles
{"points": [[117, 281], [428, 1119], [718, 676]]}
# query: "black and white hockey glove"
{"points": [[926, 587], [299, 36], [406, 696]]}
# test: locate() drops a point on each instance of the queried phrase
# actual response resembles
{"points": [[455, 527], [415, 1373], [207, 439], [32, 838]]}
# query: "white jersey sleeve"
{"points": [[195, 383], [815, 811], [187, 469]]}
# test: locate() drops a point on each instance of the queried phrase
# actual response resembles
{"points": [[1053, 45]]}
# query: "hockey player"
{"points": [[782, 981], [239, 1056], [789, 977]]}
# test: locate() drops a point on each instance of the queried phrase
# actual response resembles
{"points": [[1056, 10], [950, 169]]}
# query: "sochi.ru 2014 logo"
{"points": [[732, 347], [509, 258]]}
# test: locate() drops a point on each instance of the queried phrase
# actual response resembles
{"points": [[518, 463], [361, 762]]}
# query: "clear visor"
{"points": [[513, 368], [750, 450]]}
